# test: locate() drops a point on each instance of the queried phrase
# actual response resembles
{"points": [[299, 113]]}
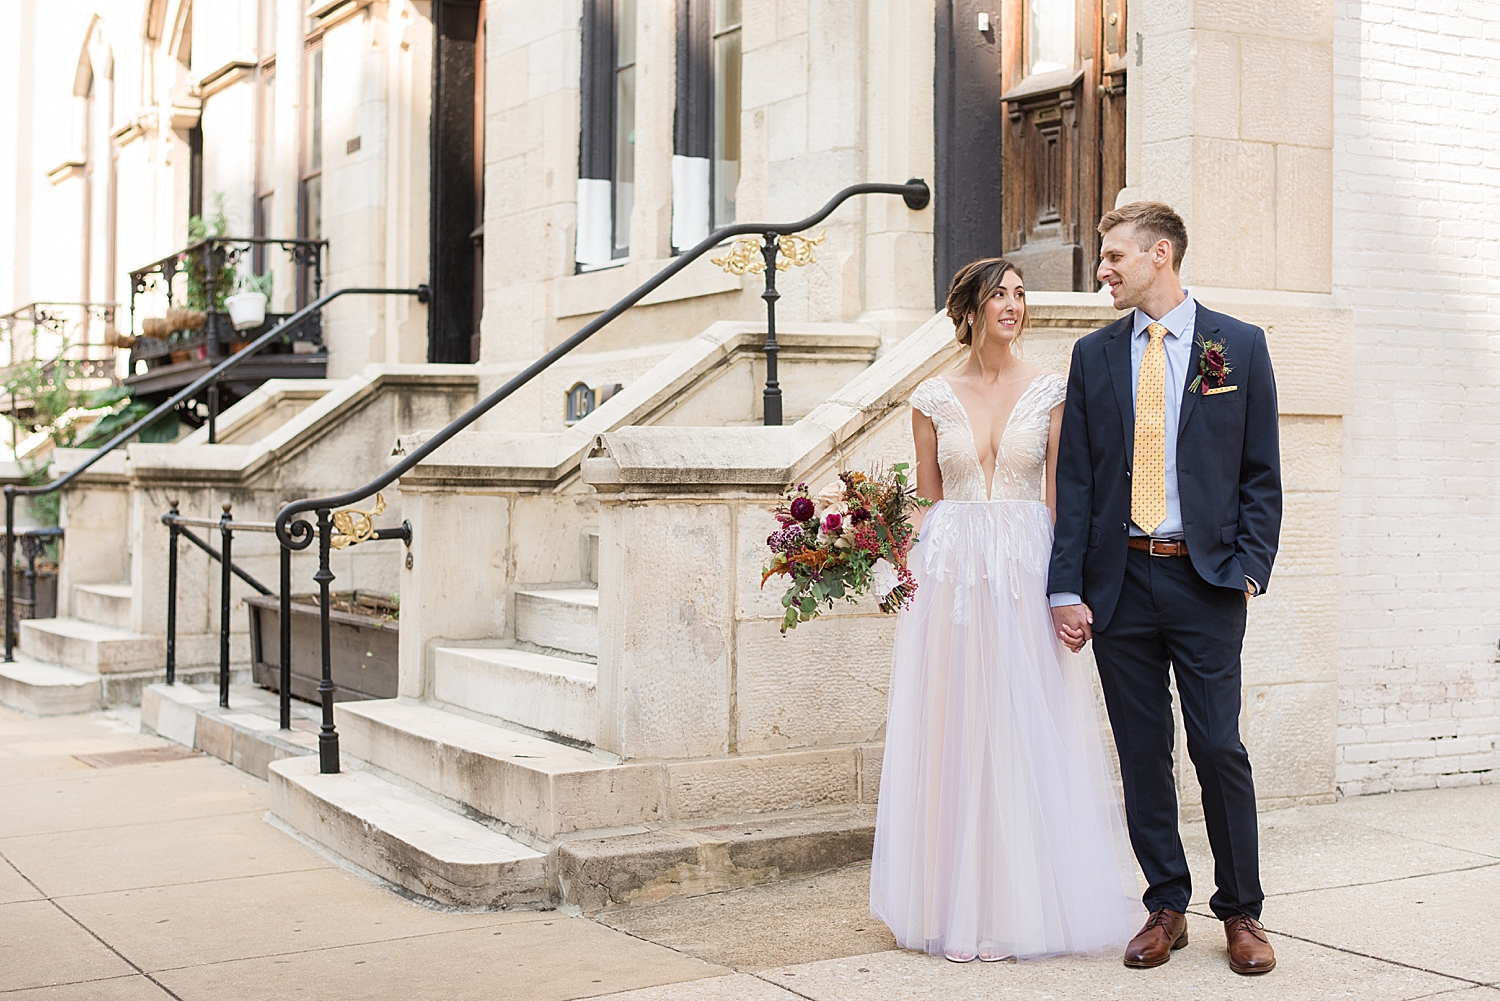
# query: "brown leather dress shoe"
{"points": [[1152, 946], [1249, 950]]}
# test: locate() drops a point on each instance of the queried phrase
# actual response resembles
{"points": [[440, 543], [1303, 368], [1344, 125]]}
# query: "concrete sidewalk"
{"points": [[129, 871]]}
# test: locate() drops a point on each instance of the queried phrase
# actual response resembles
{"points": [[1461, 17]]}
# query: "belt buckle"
{"points": [[1151, 546]]}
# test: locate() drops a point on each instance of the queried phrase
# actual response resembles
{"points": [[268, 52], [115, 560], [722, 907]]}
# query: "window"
{"points": [[265, 131], [706, 133], [624, 124], [310, 184], [1049, 35], [606, 149], [726, 70]]}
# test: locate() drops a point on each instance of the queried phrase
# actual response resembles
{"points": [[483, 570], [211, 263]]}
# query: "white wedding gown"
{"points": [[998, 831]]}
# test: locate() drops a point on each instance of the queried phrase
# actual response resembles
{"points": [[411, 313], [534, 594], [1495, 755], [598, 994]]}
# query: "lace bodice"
{"points": [[1021, 461]]}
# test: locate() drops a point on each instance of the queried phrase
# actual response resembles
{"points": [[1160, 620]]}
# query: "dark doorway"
{"points": [[968, 126], [457, 173]]}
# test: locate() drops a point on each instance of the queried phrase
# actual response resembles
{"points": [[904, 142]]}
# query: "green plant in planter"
{"points": [[248, 281], [197, 268]]}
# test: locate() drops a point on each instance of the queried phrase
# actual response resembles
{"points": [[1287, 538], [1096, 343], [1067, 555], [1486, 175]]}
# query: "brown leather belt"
{"points": [[1159, 547]]}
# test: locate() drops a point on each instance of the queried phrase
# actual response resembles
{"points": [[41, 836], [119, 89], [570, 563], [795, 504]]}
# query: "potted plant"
{"points": [[247, 307], [209, 264]]}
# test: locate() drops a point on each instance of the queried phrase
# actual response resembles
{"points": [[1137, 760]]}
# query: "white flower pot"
{"points": [[246, 310]]}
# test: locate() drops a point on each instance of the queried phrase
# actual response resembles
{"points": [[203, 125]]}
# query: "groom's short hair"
{"points": [[1153, 221]]}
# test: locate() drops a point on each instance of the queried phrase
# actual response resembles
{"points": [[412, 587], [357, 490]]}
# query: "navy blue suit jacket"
{"points": [[1228, 465]]}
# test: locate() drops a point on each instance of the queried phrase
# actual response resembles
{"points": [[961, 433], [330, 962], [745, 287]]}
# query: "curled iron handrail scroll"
{"points": [[915, 193]]}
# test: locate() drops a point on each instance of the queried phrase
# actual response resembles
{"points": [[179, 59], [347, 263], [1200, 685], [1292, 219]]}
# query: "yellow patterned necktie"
{"points": [[1148, 486]]}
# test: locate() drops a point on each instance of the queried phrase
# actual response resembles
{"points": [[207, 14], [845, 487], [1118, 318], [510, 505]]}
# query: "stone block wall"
{"points": [[1417, 256]]}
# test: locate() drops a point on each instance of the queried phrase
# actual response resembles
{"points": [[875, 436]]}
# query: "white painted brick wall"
{"points": [[1417, 256]]}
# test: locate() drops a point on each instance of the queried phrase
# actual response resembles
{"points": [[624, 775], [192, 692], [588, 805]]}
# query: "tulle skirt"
{"points": [[998, 829]]}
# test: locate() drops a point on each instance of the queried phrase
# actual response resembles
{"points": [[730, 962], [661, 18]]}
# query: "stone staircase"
{"points": [[86, 661], [459, 798], [491, 793]]}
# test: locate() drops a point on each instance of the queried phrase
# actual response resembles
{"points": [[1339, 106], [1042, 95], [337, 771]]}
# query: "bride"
{"points": [[997, 834]]}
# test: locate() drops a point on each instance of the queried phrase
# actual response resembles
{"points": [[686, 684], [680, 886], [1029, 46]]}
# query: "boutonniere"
{"points": [[1212, 366]]}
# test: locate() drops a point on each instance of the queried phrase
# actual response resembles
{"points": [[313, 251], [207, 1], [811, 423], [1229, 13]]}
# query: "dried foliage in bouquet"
{"points": [[848, 540]]}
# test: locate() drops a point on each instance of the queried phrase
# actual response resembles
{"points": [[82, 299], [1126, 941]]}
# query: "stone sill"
{"points": [[595, 291]]}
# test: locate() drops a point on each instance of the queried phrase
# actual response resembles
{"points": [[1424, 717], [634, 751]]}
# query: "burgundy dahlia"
{"points": [[802, 509]]}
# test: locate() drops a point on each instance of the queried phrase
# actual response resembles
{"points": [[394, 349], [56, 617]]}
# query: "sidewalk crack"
{"points": [[92, 934], [1356, 952]]}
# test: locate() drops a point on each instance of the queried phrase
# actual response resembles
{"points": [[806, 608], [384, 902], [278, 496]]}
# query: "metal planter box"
{"points": [[363, 647]]}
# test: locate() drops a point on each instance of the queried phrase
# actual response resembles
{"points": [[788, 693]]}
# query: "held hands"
{"points": [[1074, 625]]}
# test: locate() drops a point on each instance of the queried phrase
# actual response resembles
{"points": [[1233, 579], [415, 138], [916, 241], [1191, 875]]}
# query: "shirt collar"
{"points": [[1178, 322]]}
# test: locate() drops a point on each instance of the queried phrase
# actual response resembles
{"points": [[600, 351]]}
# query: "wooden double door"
{"points": [[1030, 134]]}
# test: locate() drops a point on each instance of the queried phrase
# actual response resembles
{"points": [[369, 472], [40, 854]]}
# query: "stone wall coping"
{"points": [[510, 460], [694, 458], [110, 469], [267, 394], [185, 462], [760, 457]]}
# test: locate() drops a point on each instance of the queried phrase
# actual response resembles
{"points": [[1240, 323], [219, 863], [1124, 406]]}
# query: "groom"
{"points": [[1168, 512]]}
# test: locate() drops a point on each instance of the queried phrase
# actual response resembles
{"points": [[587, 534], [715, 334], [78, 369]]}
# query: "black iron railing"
{"points": [[33, 543], [421, 292], [210, 268], [297, 534], [179, 526]]}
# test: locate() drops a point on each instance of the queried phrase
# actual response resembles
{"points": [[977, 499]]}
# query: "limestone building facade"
{"points": [[1334, 162]]}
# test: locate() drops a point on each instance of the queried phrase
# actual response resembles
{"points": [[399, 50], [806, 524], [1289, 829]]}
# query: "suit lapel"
{"points": [[1117, 357], [1205, 326]]}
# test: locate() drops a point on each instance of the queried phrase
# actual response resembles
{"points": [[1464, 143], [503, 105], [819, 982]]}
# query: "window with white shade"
{"points": [[606, 147], [706, 132]]}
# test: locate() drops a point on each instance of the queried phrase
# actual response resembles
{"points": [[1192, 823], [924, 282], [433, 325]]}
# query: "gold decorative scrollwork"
{"points": [[745, 257], [351, 525]]}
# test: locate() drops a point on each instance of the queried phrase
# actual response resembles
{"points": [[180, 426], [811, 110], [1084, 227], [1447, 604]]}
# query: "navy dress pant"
{"points": [[1169, 617]]}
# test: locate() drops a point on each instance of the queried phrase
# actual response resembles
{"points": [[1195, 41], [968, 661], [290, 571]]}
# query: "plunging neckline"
{"points": [[989, 481]]}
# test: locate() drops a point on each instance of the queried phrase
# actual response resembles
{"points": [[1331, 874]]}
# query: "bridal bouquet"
{"points": [[849, 539]]}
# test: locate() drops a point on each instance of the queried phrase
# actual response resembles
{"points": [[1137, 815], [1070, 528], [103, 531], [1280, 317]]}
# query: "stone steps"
{"points": [[48, 689], [535, 785], [106, 604], [248, 735], [565, 619], [90, 647], [552, 695], [404, 838]]}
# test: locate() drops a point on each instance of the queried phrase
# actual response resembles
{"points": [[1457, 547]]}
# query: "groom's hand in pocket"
{"points": [[1073, 625]]}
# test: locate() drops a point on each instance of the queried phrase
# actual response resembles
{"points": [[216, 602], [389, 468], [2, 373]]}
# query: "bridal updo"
{"points": [[972, 288]]}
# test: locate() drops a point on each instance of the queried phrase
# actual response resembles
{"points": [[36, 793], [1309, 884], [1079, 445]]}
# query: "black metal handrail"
{"points": [[177, 525], [298, 535], [212, 376]]}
